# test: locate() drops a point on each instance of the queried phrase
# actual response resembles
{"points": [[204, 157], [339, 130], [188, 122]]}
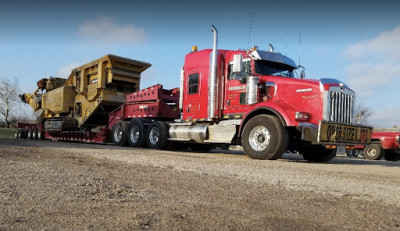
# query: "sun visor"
{"points": [[274, 57]]}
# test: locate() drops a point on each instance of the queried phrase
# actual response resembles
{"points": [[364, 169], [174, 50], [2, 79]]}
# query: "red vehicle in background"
{"points": [[384, 144]]}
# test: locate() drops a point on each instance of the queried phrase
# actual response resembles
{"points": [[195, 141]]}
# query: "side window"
{"points": [[193, 83], [231, 75], [246, 71]]}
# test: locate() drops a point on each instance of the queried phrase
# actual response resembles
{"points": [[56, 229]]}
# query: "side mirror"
{"points": [[302, 72], [237, 63]]}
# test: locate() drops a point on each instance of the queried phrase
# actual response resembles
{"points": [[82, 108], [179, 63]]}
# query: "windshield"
{"points": [[264, 67]]}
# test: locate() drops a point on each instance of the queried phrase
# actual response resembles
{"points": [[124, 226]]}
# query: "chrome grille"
{"points": [[341, 108]]}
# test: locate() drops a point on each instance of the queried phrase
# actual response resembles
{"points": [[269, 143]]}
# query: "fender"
{"points": [[387, 139], [271, 109]]}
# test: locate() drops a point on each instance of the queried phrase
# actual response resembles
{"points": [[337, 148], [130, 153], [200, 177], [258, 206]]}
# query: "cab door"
{"points": [[235, 91], [192, 107]]}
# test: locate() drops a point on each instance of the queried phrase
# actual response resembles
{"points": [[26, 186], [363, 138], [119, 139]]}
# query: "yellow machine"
{"points": [[83, 101]]}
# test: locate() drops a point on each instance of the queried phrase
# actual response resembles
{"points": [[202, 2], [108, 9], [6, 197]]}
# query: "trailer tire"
{"points": [[22, 134], [137, 133], [264, 138], [373, 151], [40, 135], [29, 134], [317, 153], [34, 134], [391, 155], [157, 135], [17, 134], [118, 134]]}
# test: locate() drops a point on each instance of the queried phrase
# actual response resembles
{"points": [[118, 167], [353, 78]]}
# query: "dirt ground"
{"points": [[48, 185]]}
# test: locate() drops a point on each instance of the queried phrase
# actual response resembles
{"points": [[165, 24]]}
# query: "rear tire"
{"points": [[118, 134], [391, 155], [317, 153], [373, 151], [264, 138], [137, 131], [157, 135]]}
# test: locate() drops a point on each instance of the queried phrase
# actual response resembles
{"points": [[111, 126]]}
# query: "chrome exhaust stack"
{"points": [[212, 92]]}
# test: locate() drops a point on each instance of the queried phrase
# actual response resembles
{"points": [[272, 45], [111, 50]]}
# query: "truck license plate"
{"points": [[341, 149], [338, 133]]}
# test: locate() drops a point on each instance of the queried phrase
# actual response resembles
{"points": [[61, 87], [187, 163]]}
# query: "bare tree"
{"points": [[363, 113], [8, 98]]}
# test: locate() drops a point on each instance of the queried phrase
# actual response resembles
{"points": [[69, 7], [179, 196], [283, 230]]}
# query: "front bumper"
{"points": [[335, 133]]}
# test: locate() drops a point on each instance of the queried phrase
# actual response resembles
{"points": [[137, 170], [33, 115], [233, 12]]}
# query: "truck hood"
{"points": [[326, 83]]}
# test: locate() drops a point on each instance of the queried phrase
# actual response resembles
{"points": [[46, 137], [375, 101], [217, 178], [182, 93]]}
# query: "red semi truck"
{"points": [[239, 97], [248, 98]]}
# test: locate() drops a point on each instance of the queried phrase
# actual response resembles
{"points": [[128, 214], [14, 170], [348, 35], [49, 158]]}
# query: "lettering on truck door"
{"points": [[235, 89]]}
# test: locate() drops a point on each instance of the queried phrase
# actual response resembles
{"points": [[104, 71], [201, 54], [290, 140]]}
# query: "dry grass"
{"points": [[7, 132]]}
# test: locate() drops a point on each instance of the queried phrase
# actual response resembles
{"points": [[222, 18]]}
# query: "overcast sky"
{"points": [[357, 42]]}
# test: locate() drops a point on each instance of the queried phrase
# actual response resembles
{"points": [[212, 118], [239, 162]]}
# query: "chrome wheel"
{"points": [[118, 134], [154, 135], [134, 134], [259, 138], [157, 135], [264, 138]]}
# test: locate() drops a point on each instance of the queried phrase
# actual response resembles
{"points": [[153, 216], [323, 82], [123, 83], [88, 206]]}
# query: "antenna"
{"points": [[251, 24], [299, 48], [303, 69], [286, 38]]}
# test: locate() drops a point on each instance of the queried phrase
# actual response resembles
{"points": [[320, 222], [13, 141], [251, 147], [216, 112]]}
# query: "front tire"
{"points": [[391, 155], [317, 153], [264, 138], [373, 151], [157, 135]]}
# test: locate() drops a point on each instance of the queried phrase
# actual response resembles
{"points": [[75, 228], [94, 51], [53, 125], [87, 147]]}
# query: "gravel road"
{"points": [[47, 185]]}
